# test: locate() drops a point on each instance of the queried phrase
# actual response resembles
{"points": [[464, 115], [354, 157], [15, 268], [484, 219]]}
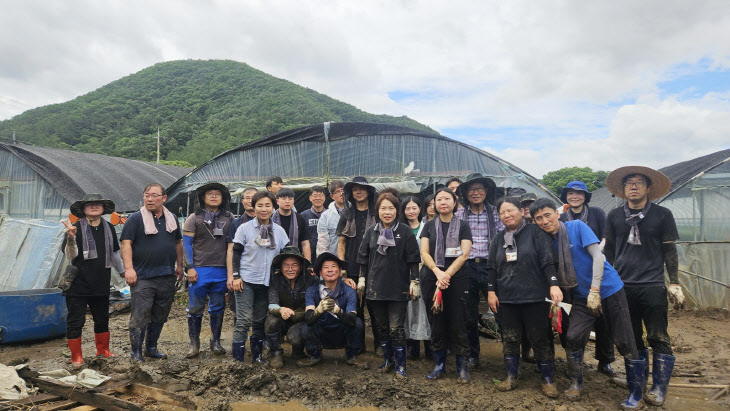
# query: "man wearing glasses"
{"points": [[477, 193], [312, 216], [327, 224], [640, 238], [152, 251]]}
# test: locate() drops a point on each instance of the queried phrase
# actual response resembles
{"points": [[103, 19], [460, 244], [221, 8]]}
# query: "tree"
{"points": [[556, 180]]}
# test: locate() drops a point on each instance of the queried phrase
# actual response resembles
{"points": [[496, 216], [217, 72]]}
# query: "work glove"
{"points": [[594, 303], [323, 305], [556, 315], [415, 290], [676, 296], [438, 302], [361, 286], [335, 309]]}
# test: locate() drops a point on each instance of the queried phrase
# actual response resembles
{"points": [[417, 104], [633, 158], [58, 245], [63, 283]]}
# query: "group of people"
{"points": [[420, 269]]}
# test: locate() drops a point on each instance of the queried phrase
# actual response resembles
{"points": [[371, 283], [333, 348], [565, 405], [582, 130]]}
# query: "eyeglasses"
{"points": [[214, 195], [476, 190], [337, 192], [155, 196], [637, 184], [289, 266]]}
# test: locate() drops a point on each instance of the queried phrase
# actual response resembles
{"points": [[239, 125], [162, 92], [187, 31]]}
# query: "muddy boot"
{"points": [[635, 379], [661, 372], [315, 356], [194, 323], [136, 338], [575, 371], [102, 344], [644, 355], [462, 369], [400, 362], [527, 355], [427, 350], [605, 368], [153, 334], [413, 347], [257, 345], [354, 361], [238, 350], [216, 325], [77, 360], [439, 361], [547, 369], [387, 364], [512, 366], [277, 359]]}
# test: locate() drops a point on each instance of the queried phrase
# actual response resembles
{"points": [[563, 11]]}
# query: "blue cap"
{"points": [[575, 186]]}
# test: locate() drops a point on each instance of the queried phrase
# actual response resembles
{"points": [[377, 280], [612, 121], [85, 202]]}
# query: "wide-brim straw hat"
{"points": [[660, 183], [77, 208]]}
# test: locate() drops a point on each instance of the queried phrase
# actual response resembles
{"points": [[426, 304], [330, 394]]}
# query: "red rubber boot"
{"points": [[77, 360], [102, 344]]}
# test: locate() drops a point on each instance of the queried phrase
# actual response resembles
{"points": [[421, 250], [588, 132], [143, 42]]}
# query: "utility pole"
{"points": [[14, 142], [158, 144]]}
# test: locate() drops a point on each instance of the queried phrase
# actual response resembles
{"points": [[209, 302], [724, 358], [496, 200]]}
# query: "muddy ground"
{"points": [[701, 341]]}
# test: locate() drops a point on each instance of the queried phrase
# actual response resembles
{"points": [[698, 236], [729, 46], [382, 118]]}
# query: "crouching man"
{"points": [[331, 315], [289, 283], [599, 290]]}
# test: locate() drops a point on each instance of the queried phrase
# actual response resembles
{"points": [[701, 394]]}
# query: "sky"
{"points": [[541, 84]]}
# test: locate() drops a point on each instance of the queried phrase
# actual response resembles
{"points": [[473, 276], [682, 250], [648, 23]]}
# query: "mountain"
{"points": [[202, 108]]}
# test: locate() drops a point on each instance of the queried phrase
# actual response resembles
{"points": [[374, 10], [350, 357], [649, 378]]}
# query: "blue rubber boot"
{"points": [[400, 362], [257, 345], [153, 334], [136, 338], [643, 355], [547, 369], [194, 334], [238, 350], [512, 366], [575, 371], [387, 364], [462, 369], [635, 379], [439, 369], [605, 368], [216, 326], [661, 372]]}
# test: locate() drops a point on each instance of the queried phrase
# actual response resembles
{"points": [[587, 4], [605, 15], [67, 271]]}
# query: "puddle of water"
{"points": [[290, 406]]}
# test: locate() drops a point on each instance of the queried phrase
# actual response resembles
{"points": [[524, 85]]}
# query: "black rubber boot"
{"points": [[462, 369], [257, 346], [194, 333], [216, 326], [136, 338], [414, 349], [153, 334], [575, 371], [439, 369], [238, 350], [400, 362], [661, 373], [512, 366], [387, 364], [547, 369]]}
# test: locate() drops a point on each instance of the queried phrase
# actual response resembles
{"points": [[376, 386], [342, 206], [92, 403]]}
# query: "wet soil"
{"points": [[701, 341]]}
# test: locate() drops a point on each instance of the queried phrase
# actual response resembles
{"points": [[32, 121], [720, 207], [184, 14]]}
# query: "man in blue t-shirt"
{"points": [[152, 251], [599, 290], [331, 314]]}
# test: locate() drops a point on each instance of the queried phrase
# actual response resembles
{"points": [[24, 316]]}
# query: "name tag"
{"points": [[452, 252], [511, 256], [217, 232], [262, 242]]}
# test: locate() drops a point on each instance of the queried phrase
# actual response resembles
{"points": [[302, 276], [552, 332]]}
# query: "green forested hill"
{"points": [[201, 107]]}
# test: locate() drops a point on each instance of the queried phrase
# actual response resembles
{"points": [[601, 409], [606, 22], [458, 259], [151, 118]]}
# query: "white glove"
{"points": [[361, 286], [415, 290], [594, 303], [676, 296], [335, 309]]}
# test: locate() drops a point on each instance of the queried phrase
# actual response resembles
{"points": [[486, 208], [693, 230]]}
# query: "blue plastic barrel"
{"points": [[32, 315]]}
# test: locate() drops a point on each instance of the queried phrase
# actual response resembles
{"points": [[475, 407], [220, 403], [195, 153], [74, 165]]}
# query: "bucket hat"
{"points": [[326, 256], [360, 181], [200, 193], [472, 178], [286, 252], [575, 186], [77, 208], [660, 183]]}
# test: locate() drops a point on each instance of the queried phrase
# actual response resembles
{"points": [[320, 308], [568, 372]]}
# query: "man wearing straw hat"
{"points": [[640, 238]]}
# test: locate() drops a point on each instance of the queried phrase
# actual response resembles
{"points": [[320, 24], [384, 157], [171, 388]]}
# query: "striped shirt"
{"points": [[479, 226]]}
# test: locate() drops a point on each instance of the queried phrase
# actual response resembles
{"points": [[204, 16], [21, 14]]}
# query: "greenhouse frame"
{"points": [[412, 161], [699, 200]]}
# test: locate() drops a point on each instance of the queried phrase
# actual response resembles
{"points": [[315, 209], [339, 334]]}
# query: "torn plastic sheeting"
{"points": [[87, 378], [12, 387], [710, 260]]}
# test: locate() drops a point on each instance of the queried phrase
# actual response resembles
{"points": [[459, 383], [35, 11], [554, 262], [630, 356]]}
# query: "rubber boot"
{"points": [[427, 350], [414, 349], [257, 345], [547, 369], [635, 379], [136, 338], [512, 366], [439, 369], [194, 323], [575, 371], [216, 325], [387, 364], [643, 355], [102, 344], [400, 362], [462, 369], [77, 360], [605, 368], [315, 356], [527, 355], [661, 373], [238, 350], [153, 334]]}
